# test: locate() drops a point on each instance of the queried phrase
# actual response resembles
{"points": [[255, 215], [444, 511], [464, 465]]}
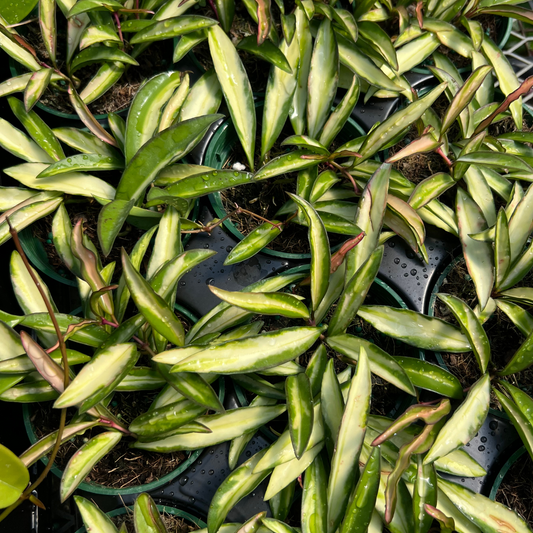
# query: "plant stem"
{"points": [[47, 303]]}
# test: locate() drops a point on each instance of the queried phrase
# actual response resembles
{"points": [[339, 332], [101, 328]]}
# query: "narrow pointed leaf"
{"points": [[488, 515], [478, 255], [381, 363], [323, 78], [236, 88], [264, 303], [464, 423], [82, 462], [416, 329], [369, 218], [99, 377], [314, 498], [320, 253], [252, 354], [344, 465], [471, 327], [300, 411], [267, 51]]}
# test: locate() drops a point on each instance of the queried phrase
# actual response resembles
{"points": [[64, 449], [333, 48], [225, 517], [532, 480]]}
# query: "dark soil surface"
{"points": [[417, 167], [153, 60], [123, 466], [516, 490], [174, 524], [266, 197]]}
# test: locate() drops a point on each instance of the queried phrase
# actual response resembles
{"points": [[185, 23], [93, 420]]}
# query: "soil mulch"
{"points": [[153, 60], [123, 466], [173, 523], [516, 490]]}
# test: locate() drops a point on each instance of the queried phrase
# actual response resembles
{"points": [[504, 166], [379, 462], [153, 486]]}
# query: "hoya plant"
{"points": [[75, 35], [63, 163]]}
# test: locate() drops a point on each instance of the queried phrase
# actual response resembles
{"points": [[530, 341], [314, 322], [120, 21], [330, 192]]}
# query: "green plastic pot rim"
{"points": [[216, 200], [102, 489], [501, 44], [162, 509], [503, 472]]}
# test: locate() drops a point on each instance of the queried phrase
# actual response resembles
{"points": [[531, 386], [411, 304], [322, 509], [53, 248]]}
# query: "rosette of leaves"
{"points": [[166, 121], [97, 32]]}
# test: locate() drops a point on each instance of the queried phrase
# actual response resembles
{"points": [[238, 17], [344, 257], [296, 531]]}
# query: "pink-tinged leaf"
{"points": [[263, 20], [43, 363], [524, 88], [464, 96], [89, 267], [338, 257], [447, 524], [36, 86], [47, 22], [426, 143], [514, 12], [88, 119], [428, 414]]}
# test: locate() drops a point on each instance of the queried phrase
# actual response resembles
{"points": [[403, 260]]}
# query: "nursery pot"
{"points": [[162, 509], [108, 491], [504, 28], [36, 253], [218, 152]]}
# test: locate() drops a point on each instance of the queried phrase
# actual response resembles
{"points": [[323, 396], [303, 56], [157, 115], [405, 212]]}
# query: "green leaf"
{"points": [[84, 459], [224, 427], [323, 78], [14, 477], [320, 252], [431, 377], [416, 329], [300, 411], [264, 303], [471, 327], [478, 255], [172, 27], [267, 51], [146, 110], [381, 363], [344, 463], [99, 377], [236, 88], [464, 423]]}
